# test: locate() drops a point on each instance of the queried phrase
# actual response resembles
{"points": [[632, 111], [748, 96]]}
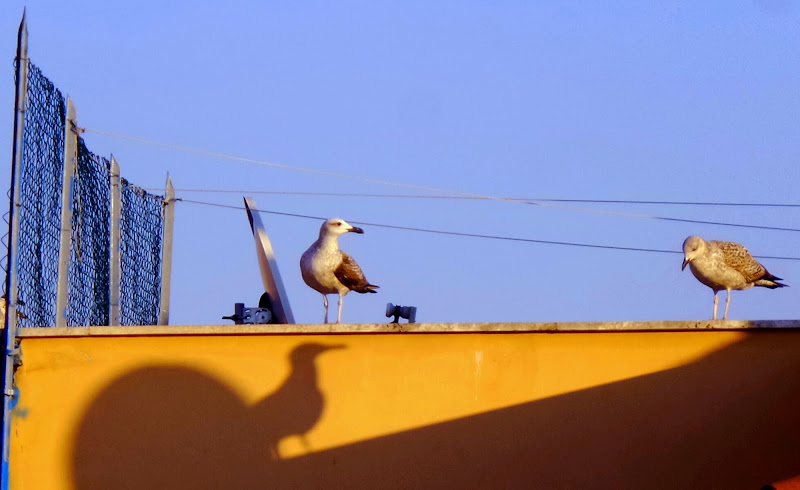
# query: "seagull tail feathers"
{"points": [[771, 282], [368, 288]]}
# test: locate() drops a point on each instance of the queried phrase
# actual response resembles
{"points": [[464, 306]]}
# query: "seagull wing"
{"points": [[737, 257], [349, 273]]}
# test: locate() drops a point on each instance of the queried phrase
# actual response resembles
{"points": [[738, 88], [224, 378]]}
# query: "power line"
{"points": [[479, 198], [544, 204], [451, 193], [282, 166], [441, 191], [473, 235], [664, 218]]}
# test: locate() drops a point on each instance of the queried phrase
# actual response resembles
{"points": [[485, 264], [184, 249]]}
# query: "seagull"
{"points": [[328, 270], [725, 265]]}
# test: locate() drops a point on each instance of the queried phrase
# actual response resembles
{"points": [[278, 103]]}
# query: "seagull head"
{"points": [[692, 247], [338, 226], [308, 351]]}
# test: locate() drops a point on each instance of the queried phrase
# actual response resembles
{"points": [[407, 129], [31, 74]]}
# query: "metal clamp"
{"points": [[249, 315], [397, 311]]}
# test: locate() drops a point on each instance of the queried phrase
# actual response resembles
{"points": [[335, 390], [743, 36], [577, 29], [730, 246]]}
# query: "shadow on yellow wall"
{"points": [[730, 420]]}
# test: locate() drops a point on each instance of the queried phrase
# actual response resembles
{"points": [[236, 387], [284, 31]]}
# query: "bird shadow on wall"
{"points": [[728, 420], [174, 427]]}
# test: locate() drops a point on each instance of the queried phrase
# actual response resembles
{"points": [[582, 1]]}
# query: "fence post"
{"points": [[20, 105], [70, 160], [166, 252], [115, 264], [10, 317]]}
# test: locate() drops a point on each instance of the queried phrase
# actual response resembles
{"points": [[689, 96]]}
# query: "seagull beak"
{"points": [[356, 229], [685, 263]]}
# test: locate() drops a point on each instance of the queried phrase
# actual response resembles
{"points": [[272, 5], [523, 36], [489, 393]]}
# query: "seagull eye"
{"points": [[338, 223]]}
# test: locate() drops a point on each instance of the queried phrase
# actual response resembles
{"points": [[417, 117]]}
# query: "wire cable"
{"points": [[280, 165], [443, 191], [521, 199], [664, 218], [472, 235], [544, 204]]}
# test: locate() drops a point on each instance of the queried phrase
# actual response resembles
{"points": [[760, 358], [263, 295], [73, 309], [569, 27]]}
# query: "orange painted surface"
{"points": [[535, 410]]}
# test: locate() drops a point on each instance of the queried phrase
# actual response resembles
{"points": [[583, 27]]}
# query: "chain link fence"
{"points": [[141, 237], [40, 201], [89, 268], [89, 274]]}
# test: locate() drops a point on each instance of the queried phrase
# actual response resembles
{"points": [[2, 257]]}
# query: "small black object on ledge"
{"points": [[397, 311], [260, 315]]}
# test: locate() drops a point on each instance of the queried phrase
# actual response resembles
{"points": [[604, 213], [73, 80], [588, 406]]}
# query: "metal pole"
{"points": [[269, 267], [115, 264], [70, 157], [166, 252], [10, 332]]}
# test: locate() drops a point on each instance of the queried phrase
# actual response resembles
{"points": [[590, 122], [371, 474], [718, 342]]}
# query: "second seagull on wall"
{"points": [[725, 265]]}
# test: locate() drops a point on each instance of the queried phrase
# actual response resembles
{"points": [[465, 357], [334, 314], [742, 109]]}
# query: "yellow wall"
{"points": [[473, 410]]}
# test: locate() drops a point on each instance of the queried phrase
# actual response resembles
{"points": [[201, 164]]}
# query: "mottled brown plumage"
{"points": [[737, 257], [725, 265]]}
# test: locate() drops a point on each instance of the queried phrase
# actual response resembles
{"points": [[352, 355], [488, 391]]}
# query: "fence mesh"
{"points": [[89, 268], [40, 201], [141, 236]]}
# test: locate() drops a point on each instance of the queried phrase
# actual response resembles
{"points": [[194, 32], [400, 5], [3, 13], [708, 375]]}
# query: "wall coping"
{"points": [[396, 328]]}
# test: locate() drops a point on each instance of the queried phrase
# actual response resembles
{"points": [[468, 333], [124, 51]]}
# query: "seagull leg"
{"points": [[341, 300], [325, 299], [716, 303], [727, 304]]}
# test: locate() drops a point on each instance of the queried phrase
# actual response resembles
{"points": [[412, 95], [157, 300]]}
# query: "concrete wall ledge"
{"points": [[396, 328]]}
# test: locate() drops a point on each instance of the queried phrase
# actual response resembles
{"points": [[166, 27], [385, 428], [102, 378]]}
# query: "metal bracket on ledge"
{"points": [[397, 311], [242, 315]]}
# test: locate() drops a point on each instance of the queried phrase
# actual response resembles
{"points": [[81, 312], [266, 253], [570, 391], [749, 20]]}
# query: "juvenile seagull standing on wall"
{"points": [[328, 270], [725, 265]]}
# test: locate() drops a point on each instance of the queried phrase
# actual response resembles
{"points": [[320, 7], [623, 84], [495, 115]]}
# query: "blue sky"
{"points": [[621, 100]]}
